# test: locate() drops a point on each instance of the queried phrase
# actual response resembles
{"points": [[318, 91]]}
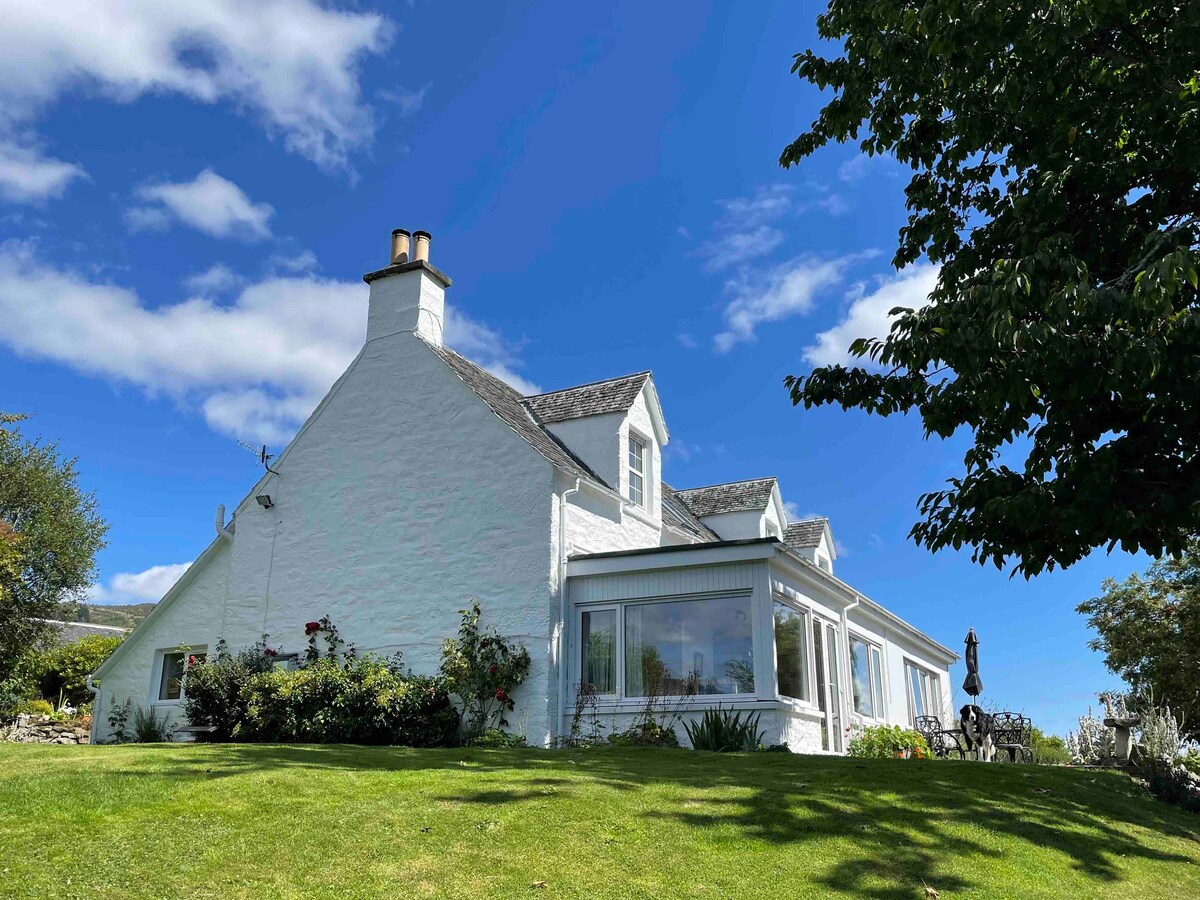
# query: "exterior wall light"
{"points": [[264, 500]]}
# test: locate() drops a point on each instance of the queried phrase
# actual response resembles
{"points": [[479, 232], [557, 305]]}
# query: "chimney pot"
{"points": [[421, 245], [399, 246]]}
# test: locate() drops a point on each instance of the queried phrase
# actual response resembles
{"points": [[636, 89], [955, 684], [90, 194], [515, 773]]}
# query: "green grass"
{"points": [[306, 821]]}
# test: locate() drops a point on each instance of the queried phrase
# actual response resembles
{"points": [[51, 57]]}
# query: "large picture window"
{"points": [[689, 647], [866, 677], [791, 652], [924, 692]]}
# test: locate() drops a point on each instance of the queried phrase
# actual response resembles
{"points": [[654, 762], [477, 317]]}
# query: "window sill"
{"points": [[170, 704], [635, 704]]}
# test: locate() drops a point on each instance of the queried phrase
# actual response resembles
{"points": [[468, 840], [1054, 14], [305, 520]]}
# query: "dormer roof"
{"points": [[733, 496], [593, 399], [806, 533]]}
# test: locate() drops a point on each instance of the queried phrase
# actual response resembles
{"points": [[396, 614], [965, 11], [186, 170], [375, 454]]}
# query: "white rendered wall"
{"points": [[191, 619], [402, 499]]}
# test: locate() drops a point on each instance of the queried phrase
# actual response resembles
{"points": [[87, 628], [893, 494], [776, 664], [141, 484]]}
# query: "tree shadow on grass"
{"points": [[896, 824]]}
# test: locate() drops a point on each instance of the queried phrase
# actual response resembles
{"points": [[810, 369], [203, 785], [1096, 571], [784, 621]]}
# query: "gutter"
{"points": [[95, 689]]}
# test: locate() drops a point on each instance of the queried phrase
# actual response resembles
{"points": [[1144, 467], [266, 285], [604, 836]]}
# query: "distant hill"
{"points": [[119, 616]]}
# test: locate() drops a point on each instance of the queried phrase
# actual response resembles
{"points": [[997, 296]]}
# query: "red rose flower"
{"points": [[267, 651], [493, 669], [311, 628], [191, 660], [501, 696]]}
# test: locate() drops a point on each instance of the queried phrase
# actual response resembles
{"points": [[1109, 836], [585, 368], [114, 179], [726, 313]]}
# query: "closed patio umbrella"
{"points": [[973, 684]]}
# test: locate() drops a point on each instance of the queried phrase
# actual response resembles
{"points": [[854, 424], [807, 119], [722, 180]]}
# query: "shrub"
{"points": [[215, 693], [36, 707], [148, 728], [1175, 784], [61, 672], [1093, 741], [645, 733], [1049, 749], [888, 741], [494, 737], [482, 669], [724, 731], [360, 701]]}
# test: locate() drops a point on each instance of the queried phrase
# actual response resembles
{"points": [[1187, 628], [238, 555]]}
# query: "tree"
{"points": [[50, 536], [1055, 157], [1148, 628]]}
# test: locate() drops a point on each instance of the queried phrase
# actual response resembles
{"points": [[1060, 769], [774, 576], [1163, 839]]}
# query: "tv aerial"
{"points": [[264, 457]]}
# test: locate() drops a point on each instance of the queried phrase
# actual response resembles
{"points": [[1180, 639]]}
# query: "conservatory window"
{"points": [[791, 652], [866, 677], [924, 692], [598, 629], [685, 647]]}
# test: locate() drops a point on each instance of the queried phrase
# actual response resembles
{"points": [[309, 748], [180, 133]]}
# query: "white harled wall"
{"points": [[400, 500]]}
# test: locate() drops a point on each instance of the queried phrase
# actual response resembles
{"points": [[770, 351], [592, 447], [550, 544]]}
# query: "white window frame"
{"points": [[810, 661], [874, 664], [934, 679], [156, 673], [620, 697], [633, 437]]}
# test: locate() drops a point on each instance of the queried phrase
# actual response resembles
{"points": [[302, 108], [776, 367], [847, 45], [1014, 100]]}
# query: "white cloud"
{"points": [[407, 102], [216, 279], [743, 230], [138, 587], [303, 261], [485, 346], [784, 290], [292, 63], [738, 247], [834, 204], [867, 315], [28, 177], [854, 168], [767, 204], [208, 203], [254, 367]]}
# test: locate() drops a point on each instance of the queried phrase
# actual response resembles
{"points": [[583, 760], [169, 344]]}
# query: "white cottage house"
{"points": [[421, 481]]}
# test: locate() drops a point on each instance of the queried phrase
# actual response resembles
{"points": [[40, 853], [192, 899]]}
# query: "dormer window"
{"points": [[637, 470]]}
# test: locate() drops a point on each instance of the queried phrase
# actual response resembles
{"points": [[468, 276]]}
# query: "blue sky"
{"points": [[189, 197]]}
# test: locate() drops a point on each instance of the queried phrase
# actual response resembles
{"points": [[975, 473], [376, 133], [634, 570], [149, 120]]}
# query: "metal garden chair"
{"points": [[941, 741], [1013, 733]]}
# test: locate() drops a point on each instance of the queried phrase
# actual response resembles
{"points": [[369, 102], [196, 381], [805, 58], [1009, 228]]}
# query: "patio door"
{"points": [[829, 684]]}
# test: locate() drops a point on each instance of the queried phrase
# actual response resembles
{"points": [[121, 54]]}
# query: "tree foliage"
{"points": [[1055, 157], [1148, 628], [50, 532]]}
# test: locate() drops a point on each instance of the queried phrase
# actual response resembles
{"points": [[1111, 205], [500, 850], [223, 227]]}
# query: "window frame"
{"points": [[933, 679], [810, 654], [631, 438], [620, 697], [875, 676], [157, 671]]}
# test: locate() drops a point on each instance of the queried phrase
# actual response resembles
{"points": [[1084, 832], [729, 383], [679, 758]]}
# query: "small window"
{"points": [[174, 665], [866, 676], [599, 656], [637, 470], [924, 692], [791, 652], [823, 562]]}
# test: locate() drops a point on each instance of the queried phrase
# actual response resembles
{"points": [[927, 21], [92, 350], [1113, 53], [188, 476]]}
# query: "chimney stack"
{"points": [[421, 245], [408, 295], [399, 246]]}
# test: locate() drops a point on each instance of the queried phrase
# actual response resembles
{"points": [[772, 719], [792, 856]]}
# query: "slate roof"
{"points": [[510, 407], [731, 497], [805, 533], [594, 399], [68, 632], [676, 512]]}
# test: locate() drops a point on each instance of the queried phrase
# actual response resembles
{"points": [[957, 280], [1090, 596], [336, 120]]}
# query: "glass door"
{"points": [[829, 694]]}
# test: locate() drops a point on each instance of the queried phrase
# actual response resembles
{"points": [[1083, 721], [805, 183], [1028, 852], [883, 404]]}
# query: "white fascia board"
{"points": [[813, 573], [656, 413], [679, 556]]}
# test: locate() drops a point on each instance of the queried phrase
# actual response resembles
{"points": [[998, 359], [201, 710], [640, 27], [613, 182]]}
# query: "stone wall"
{"points": [[46, 730]]}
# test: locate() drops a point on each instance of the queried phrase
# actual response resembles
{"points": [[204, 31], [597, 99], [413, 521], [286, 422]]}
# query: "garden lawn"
{"points": [[330, 821]]}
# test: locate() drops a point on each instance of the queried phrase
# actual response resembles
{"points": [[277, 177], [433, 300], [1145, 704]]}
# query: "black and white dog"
{"points": [[979, 731]]}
